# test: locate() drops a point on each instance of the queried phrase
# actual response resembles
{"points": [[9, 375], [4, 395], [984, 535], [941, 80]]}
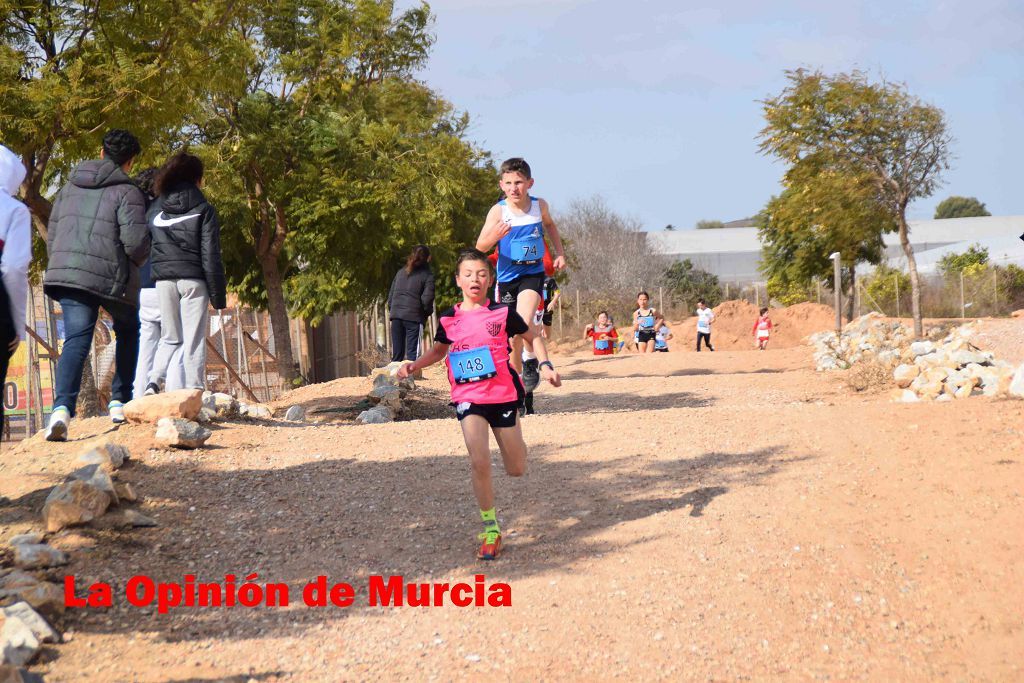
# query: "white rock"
{"points": [[179, 433], [1016, 387], [905, 374], [24, 613], [920, 348], [26, 538], [38, 556], [295, 414], [375, 415]]}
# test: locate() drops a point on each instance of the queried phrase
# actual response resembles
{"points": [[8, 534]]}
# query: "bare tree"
{"points": [[610, 257]]}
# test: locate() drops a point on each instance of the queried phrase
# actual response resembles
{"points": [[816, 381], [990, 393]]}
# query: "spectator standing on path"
{"points": [[149, 312], [15, 256], [96, 241], [705, 316], [410, 303], [187, 268]]}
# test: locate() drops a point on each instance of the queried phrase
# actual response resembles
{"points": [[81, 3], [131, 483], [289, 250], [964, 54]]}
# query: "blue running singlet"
{"points": [[521, 252]]}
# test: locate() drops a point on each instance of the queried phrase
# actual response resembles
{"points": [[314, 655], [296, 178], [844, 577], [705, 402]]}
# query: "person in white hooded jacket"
{"points": [[15, 256]]}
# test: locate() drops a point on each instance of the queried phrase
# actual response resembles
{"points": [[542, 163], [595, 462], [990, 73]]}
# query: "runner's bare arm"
{"points": [[554, 300], [541, 352], [492, 232], [552, 230], [435, 353]]}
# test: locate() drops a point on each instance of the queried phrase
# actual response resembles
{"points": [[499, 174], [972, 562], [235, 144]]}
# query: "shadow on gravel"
{"points": [[685, 372], [615, 402], [348, 519]]}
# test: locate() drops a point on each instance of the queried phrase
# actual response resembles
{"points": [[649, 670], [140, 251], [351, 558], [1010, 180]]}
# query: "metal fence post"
{"points": [[963, 308]]}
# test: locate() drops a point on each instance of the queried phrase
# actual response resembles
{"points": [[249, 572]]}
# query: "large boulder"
{"points": [[1016, 386], [921, 348], [178, 433], [295, 414], [905, 374], [21, 632], [222, 406], [184, 404], [375, 415], [38, 556], [108, 455], [74, 502], [256, 411]]}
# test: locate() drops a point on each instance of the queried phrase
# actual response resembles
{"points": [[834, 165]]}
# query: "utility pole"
{"points": [[837, 287]]}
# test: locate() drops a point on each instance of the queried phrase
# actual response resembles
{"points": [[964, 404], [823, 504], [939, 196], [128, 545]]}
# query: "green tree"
{"points": [[334, 161], [951, 265], [69, 71], [687, 283], [709, 224], [820, 212], [960, 207], [885, 285], [863, 129]]}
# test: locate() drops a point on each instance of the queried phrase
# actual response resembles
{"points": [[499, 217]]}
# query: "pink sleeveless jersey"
{"points": [[490, 327]]}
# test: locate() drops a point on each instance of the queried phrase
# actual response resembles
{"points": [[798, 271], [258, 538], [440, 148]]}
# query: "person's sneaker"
{"points": [[57, 428], [116, 410], [491, 547], [531, 374], [152, 389]]}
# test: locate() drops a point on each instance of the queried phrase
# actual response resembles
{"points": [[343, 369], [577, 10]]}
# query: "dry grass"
{"points": [[374, 357], [870, 376]]}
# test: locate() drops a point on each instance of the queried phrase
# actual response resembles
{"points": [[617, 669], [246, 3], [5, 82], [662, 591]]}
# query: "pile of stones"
{"points": [[388, 395], [942, 367]]}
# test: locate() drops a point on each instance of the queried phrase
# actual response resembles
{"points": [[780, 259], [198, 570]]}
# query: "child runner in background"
{"points": [[551, 296], [474, 337], [518, 224], [603, 335], [762, 330], [646, 322], [705, 316], [661, 338]]}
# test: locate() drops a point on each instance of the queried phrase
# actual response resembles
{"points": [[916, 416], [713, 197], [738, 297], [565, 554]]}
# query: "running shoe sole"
{"points": [[57, 432], [490, 551], [531, 375]]}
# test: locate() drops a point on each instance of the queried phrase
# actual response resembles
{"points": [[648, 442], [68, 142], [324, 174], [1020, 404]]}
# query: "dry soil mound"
{"points": [[735, 319]]}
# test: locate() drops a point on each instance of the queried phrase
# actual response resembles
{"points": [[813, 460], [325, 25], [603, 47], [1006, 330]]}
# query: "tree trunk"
{"points": [[915, 282], [279, 319], [88, 396], [39, 206], [851, 293]]}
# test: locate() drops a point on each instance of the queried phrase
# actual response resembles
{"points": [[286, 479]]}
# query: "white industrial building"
{"points": [[733, 254]]}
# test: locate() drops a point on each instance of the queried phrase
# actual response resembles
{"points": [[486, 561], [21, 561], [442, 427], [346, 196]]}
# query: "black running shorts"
{"points": [[498, 415], [508, 292]]}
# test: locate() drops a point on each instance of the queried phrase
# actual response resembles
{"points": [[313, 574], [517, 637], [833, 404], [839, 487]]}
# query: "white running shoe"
{"points": [[116, 410], [57, 429]]}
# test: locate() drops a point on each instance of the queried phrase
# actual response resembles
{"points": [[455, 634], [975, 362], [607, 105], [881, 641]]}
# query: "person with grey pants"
{"points": [[187, 268]]}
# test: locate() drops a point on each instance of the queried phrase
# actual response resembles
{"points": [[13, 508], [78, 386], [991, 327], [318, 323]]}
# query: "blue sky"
{"points": [[653, 105]]}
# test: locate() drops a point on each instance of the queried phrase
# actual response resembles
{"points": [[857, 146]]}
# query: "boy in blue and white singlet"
{"points": [[518, 226]]}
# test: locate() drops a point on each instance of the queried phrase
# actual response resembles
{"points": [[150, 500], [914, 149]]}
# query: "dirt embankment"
{"points": [[731, 330]]}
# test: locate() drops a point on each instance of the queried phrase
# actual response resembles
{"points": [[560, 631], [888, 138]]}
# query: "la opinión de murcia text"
{"points": [[381, 591]]}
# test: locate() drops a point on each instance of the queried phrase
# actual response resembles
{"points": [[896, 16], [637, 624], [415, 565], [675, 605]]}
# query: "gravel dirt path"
{"points": [[715, 516]]}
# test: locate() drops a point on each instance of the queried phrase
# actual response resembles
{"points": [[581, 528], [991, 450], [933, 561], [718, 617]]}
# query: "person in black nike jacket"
{"points": [[186, 266]]}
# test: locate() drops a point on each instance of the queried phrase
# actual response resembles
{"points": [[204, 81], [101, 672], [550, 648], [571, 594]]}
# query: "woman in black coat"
{"points": [[411, 302]]}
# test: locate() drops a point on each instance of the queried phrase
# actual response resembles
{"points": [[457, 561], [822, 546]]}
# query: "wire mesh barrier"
{"points": [[241, 360]]}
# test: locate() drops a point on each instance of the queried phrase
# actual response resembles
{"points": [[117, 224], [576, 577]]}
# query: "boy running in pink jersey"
{"points": [[474, 338]]}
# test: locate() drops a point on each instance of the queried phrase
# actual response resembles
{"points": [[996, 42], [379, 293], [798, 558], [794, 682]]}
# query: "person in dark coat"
{"points": [[96, 240], [410, 303], [186, 266]]}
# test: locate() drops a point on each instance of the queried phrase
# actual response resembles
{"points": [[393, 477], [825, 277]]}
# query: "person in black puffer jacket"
{"points": [[187, 268], [410, 303], [96, 240]]}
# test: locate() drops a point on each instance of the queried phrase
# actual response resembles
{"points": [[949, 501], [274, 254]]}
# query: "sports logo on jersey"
{"points": [[536, 232], [508, 298], [462, 407], [493, 329]]}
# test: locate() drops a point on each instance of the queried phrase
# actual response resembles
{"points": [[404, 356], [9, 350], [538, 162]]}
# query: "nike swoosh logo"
{"points": [[161, 222], [506, 414]]}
